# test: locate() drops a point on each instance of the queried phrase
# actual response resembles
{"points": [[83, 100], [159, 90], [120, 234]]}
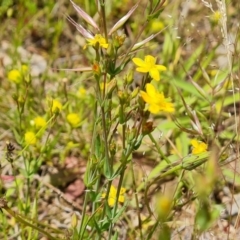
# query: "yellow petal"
{"points": [[150, 59], [103, 195], [194, 142], [153, 108], [113, 191], [111, 201], [161, 67], [151, 91], [15, 76], [30, 138], [121, 198], [154, 73], [139, 62], [145, 97], [142, 69], [104, 45], [202, 147], [169, 107], [198, 147], [122, 191]]}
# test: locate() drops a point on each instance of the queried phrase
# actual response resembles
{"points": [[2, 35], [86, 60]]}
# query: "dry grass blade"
{"points": [[85, 16]]}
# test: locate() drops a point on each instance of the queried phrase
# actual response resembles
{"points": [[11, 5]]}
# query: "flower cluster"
{"points": [[156, 101]]}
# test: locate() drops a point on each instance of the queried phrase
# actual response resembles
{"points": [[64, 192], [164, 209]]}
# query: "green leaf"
{"points": [[192, 60], [119, 213], [231, 176], [188, 87], [182, 144], [203, 217]]}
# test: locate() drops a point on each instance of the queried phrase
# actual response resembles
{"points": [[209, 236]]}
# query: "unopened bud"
{"points": [[129, 78], [119, 40], [164, 206], [147, 127], [74, 220], [112, 149], [96, 69], [135, 92], [123, 96]]}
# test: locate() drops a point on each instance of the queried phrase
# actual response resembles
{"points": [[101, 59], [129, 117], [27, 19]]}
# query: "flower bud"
{"points": [[119, 40], [74, 220], [123, 96], [129, 78], [164, 206], [135, 93], [96, 69], [147, 127]]}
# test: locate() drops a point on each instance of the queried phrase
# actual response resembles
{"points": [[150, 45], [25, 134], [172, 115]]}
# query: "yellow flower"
{"points": [[198, 146], [30, 138], [216, 16], [98, 39], [149, 66], [82, 92], [39, 122], [113, 194], [156, 25], [56, 106], [24, 70], [164, 206], [157, 102], [73, 119], [16, 75]]}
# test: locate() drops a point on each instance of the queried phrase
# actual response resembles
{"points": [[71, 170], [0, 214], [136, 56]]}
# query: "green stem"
{"points": [[158, 148], [108, 163], [104, 19], [136, 39], [21, 220], [137, 202], [124, 161], [80, 233], [116, 203]]}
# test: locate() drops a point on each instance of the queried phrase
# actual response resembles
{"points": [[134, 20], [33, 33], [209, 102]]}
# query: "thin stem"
{"points": [[117, 197], [104, 129], [124, 161], [136, 39], [158, 148], [104, 19], [123, 131], [80, 233], [24, 222], [91, 154], [137, 202], [108, 163]]}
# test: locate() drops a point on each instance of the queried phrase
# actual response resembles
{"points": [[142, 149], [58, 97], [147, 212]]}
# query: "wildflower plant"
{"points": [[109, 157]]}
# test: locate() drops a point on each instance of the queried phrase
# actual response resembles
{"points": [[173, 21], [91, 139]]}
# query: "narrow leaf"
{"points": [[123, 20]]}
